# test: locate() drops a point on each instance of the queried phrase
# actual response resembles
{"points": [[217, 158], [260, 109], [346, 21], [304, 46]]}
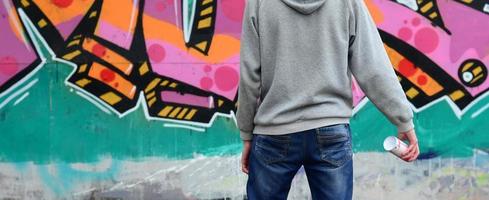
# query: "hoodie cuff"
{"points": [[406, 126], [245, 135]]}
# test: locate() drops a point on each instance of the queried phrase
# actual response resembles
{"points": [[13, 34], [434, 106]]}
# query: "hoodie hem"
{"points": [[298, 126]]}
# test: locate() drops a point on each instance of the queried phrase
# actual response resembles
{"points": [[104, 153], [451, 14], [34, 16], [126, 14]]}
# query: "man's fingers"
{"points": [[417, 151], [409, 149], [409, 152], [244, 165], [244, 157], [407, 156], [412, 153], [415, 155], [244, 162], [244, 169]]}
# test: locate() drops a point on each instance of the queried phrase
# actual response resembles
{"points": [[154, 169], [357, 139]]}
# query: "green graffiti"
{"points": [[54, 123]]}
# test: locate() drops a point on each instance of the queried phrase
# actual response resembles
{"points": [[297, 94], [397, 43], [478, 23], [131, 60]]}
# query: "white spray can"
{"points": [[395, 146]]}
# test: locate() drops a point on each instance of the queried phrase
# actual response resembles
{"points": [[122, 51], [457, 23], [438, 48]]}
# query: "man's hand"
{"points": [[244, 155], [413, 149]]}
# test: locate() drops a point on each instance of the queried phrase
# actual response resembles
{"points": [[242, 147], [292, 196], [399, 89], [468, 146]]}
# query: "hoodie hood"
{"points": [[304, 6]]}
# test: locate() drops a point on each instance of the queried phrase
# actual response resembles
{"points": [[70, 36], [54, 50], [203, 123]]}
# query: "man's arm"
{"points": [[369, 63], [250, 75]]}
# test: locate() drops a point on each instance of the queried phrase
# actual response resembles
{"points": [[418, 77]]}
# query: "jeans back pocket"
{"points": [[334, 144], [271, 148]]}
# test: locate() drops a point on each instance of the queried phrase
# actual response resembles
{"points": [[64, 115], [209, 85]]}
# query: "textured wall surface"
{"points": [[135, 99]]}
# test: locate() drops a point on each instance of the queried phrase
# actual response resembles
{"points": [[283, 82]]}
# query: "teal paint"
{"points": [[437, 127], [58, 125], [53, 128]]}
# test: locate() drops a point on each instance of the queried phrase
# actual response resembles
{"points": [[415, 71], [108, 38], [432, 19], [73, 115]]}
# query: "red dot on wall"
{"points": [[233, 9], [206, 83], [426, 40], [405, 33], [156, 53], [407, 68], [422, 80], [226, 78], [416, 21], [107, 75], [62, 3], [99, 50]]}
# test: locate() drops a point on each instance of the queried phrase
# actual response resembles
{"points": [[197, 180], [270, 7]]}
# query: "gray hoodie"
{"points": [[297, 59]]}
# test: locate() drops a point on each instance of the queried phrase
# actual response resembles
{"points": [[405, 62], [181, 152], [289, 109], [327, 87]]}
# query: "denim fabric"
{"points": [[325, 153]]}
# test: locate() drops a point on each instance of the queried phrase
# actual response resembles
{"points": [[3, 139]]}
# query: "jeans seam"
{"points": [[345, 158], [333, 162], [317, 142]]}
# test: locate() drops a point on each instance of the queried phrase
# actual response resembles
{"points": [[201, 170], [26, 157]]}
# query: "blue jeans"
{"points": [[325, 152]]}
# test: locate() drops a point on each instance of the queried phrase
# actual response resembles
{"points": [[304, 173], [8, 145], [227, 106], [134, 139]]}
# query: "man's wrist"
{"points": [[405, 127], [245, 136]]}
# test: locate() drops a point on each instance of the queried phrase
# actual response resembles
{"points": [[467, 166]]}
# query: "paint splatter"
{"points": [[156, 53], [62, 3], [99, 50], [206, 83], [226, 78], [233, 9], [405, 33], [426, 40]]}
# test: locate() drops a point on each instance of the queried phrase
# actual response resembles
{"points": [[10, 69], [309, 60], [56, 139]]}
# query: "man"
{"points": [[295, 98]]}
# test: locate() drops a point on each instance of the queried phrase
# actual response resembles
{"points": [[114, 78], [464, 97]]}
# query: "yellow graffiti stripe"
{"points": [[83, 82], [72, 55], [144, 68], [456, 95], [412, 92], [427, 7], [111, 98], [82, 68], [182, 113], [175, 112], [206, 11], [42, 23], [164, 112], [191, 114], [152, 85]]}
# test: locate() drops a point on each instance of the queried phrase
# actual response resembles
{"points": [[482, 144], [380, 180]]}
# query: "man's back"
{"points": [[297, 58]]}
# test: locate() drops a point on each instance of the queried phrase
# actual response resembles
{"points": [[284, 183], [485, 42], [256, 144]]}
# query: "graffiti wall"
{"points": [[135, 99]]}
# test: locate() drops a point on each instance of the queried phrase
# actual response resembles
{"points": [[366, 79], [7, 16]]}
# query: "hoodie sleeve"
{"points": [[371, 67], [250, 75]]}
